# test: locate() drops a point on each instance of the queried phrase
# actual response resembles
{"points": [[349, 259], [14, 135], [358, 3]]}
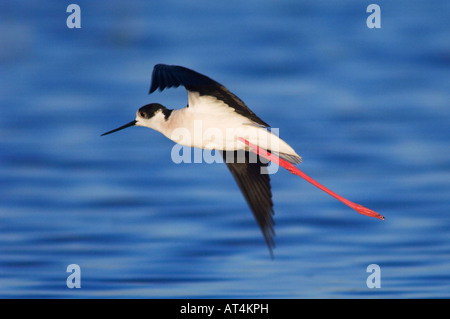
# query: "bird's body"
{"points": [[209, 123], [216, 119]]}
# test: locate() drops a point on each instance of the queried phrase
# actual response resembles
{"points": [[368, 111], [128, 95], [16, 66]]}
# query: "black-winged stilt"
{"points": [[230, 127]]}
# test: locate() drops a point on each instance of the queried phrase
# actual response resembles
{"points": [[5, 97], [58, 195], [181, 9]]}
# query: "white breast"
{"points": [[209, 123]]}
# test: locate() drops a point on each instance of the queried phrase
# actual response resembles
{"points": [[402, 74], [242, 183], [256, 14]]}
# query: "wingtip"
{"points": [[153, 85], [152, 89], [271, 253], [270, 240]]}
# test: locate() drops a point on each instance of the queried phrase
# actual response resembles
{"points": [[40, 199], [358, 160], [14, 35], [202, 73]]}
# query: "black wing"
{"points": [[257, 191], [167, 76]]}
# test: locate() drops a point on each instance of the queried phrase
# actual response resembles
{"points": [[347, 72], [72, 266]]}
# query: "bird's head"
{"points": [[150, 115]]}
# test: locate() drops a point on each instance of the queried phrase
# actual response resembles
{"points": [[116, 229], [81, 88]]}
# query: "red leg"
{"points": [[294, 170]]}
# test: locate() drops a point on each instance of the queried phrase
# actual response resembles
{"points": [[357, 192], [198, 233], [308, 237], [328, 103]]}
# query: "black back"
{"points": [[167, 76]]}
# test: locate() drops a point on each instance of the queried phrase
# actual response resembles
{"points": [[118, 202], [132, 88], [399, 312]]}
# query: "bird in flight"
{"points": [[234, 131]]}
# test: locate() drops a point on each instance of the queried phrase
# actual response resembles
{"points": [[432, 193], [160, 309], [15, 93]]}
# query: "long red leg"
{"points": [[294, 170]]}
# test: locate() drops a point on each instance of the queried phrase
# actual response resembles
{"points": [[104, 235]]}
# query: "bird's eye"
{"points": [[142, 114]]}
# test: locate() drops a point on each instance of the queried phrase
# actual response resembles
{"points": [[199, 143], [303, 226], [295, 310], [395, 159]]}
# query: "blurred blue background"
{"points": [[367, 109]]}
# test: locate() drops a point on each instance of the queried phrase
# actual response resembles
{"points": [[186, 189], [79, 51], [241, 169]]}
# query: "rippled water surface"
{"points": [[367, 109]]}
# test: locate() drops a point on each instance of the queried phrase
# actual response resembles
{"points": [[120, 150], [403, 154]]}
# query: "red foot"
{"points": [[294, 170]]}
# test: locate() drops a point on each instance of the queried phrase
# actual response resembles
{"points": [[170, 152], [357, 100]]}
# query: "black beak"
{"points": [[121, 128]]}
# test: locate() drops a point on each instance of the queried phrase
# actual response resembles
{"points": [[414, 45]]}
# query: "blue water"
{"points": [[367, 109]]}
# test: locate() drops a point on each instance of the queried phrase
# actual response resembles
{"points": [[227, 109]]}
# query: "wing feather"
{"points": [[257, 191], [167, 76]]}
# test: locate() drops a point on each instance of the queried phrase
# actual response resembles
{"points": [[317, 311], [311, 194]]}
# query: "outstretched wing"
{"points": [[257, 191], [167, 76]]}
